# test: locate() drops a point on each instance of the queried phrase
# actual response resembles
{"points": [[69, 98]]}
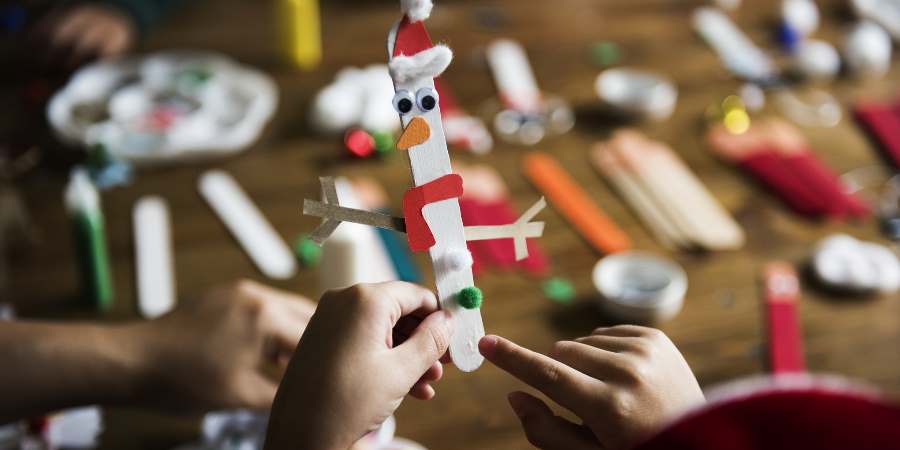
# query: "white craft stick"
{"points": [[246, 222], [733, 47], [153, 257], [429, 161], [513, 75]]}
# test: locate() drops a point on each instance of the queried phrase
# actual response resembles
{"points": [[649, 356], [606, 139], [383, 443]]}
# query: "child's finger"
{"points": [[612, 343], [434, 373], [547, 431], [422, 391], [623, 331], [591, 361], [427, 344], [563, 384]]}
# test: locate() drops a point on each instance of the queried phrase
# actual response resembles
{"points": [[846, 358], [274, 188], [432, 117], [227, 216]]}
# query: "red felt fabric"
{"points": [[417, 231], [798, 419], [882, 122], [769, 168], [785, 342], [411, 38]]}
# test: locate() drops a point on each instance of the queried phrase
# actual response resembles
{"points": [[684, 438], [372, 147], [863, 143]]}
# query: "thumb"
{"points": [[427, 343]]}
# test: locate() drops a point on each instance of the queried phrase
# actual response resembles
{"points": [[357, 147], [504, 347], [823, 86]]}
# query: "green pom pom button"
{"points": [[470, 298]]}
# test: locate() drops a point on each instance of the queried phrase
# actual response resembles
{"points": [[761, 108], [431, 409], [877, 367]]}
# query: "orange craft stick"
{"points": [[574, 204]]}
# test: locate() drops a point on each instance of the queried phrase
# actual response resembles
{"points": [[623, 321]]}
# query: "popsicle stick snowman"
{"points": [[431, 211]]}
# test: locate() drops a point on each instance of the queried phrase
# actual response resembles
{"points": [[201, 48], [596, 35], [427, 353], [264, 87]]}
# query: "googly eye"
{"points": [[403, 102], [427, 99]]}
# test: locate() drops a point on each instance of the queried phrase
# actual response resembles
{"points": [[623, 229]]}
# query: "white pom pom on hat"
{"points": [[416, 10], [427, 63]]}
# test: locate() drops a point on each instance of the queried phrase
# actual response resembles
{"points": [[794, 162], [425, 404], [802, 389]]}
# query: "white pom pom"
{"points": [[801, 15], [817, 60], [867, 50], [416, 10], [458, 259], [427, 63]]}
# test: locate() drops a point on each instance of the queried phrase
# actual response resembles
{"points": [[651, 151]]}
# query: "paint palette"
{"points": [[164, 106]]}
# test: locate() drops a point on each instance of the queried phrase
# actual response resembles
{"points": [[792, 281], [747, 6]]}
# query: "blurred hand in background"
{"points": [[84, 32]]}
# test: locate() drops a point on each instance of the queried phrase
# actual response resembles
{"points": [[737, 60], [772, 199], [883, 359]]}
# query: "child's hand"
{"points": [[226, 350], [624, 383], [365, 348], [85, 32]]}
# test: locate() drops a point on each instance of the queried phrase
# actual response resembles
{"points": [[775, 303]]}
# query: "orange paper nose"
{"points": [[415, 133]]}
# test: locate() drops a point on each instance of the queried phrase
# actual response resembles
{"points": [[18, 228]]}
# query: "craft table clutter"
{"points": [[681, 149]]}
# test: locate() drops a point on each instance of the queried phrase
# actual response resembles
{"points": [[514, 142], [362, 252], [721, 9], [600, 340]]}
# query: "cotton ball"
{"points": [[867, 49], [817, 60], [728, 5], [843, 262], [458, 259], [801, 15], [378, 114], [885, 265]]}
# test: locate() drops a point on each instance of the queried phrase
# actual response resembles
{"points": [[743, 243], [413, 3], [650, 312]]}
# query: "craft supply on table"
{"points": [[358, 104], [247, 224], [848, 265], [738, 53], [164, 107], [810, 108], [781, 295], [154, 263], [431, 215], [301, 34], [89, 236], [882, 122], [307, 252], [801, 15], [885, 13], [461, 129], [665, 194], [637, 93], [889, 208], [816, 60], [559, 290], [605, 53], [639, 287], [486, 201], [106, 170], [527, 115], [574, 203], [867, 50], [777, 155]]}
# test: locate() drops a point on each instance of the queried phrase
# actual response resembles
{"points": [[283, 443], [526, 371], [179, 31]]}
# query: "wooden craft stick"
{"points": [[781, 295], [574, 204], [678, 191], [608, 163]]}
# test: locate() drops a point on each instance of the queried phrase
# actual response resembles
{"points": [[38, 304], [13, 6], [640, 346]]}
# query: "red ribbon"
{"points": [[417, 231]]}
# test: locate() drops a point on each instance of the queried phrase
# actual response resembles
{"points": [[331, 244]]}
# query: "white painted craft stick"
{"points": [[733, 47], [246, 222], [513, 75], [430, 160], [153, 257]]}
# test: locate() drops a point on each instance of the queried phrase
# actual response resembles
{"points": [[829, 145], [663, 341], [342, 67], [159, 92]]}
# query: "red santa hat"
{"points": [[412, 53]]}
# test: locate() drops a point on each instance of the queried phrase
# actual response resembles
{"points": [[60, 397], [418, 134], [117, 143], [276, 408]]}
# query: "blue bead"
{"points": [[788, 37]]}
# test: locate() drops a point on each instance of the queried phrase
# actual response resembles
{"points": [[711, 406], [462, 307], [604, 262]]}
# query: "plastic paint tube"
{"points": [[301, 32], [89, 237]]}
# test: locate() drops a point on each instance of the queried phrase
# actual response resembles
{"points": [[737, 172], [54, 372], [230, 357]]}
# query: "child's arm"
{"points": [[207, 354], [624, 382], [365, 348]]}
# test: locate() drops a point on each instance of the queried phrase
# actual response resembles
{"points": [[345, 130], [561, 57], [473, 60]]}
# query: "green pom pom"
{"points": [[605, 53], [384, 142], [470, 298], [307, 251], [559, 290]]}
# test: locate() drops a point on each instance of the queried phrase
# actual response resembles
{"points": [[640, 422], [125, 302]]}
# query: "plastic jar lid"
{"points": [[640, 287]]}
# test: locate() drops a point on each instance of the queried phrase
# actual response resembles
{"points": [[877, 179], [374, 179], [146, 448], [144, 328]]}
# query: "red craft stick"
{"points": [[782, 293], [883, 124]]}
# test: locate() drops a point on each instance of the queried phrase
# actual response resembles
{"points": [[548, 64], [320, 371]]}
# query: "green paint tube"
{"points": [[89, 237]]}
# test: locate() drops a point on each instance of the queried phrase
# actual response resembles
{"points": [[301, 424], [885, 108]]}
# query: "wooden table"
{"points": [[720, 328]]}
